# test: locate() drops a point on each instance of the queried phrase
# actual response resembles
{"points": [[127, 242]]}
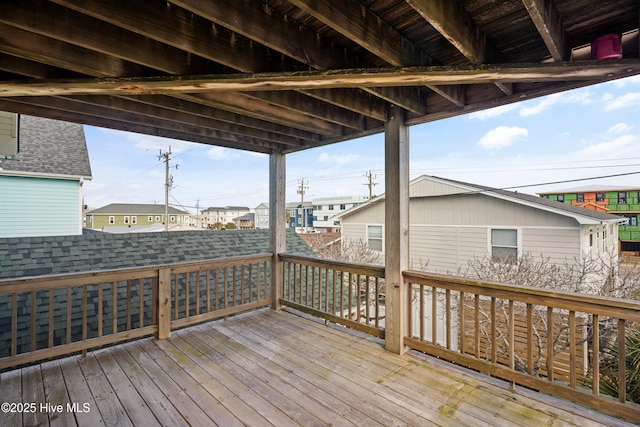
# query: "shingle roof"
{"points": [[134, 209], [37, 256], [51, 147]]}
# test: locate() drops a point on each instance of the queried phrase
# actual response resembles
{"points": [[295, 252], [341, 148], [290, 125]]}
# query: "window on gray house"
{"points": [[374, 237], [504, 245]]}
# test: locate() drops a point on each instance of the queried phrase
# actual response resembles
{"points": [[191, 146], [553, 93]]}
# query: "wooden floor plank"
{"points": [[134, 405], [332, 377], [33, 393], [273, 388], [240, 400], [189, 409], [196, 390], [274, 368], [56, 393], [467, 403], [79, 393], [110, 407], [313, 399], [158, 403], [11, 383]]}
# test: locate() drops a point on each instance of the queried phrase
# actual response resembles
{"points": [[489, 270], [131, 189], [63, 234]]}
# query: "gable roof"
{"points": [[581, 215], [134, 209], [50, 147], [38, 256]]}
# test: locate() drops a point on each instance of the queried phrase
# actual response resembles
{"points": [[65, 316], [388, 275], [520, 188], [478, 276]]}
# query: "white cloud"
{"points": [[624, 101], [501, 137], [492, 112], [580, 97], [608, 147], [338, 159], [218, 153], [619, 128], [622, 82]]}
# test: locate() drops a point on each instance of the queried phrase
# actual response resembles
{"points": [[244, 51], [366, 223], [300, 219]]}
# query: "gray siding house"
{"points": [[452, 222]]}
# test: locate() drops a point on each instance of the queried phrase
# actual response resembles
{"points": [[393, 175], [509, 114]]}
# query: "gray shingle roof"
{"points": [[134, 209], [37, 256], [51, 147]]}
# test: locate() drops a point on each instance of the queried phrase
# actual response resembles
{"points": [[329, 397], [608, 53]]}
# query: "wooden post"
{"points": [[396, 233], [164, 304], [277, 242]]}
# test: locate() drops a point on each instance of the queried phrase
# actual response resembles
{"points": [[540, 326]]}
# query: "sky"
{"points": [[582, 135]]}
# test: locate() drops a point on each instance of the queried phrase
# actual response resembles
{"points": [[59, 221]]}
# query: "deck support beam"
{"points": [[277, 236], [396, 233]]}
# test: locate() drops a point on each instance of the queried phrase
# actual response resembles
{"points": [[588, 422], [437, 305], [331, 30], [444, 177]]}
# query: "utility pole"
{"points": [[198, 213], [302, 188], [168, 183], [370, 184]]}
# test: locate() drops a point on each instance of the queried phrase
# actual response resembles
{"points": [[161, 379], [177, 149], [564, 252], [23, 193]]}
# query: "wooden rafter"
{"points": [[547, 20]]}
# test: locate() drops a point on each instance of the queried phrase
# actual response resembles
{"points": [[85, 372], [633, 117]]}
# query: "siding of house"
{"points": [[556, 243], [23, 199]]}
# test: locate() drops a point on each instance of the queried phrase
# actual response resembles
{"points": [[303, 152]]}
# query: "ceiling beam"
{"points": [[208, 85], [452, 93], [182, 134], [546, 18], [455, 25]]}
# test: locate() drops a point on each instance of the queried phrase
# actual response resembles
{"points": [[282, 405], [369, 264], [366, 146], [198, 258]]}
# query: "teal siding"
{"points": [[39, 207]]}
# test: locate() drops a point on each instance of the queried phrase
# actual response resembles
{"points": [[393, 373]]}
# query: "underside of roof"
{"points": [[287, 75]]}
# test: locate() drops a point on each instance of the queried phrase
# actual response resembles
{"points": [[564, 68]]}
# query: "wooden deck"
{"points": [[271, 368]]}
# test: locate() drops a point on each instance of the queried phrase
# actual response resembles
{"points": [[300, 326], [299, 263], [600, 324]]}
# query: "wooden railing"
{"points": [[50, 316], [346, 293], [561, 343]]}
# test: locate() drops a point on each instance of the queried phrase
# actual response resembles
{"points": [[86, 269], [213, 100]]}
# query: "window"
{"points": [[580, 197], [330, 207], [126, 220], [157, 218], [150, 218], [599, 197], [622, 198], [545, 196], [112, 220], [315, 217], [633, 220], [173, 218], [561, 198], [343, 207], [326, 218], [374, 237], [504, 244], [134, 220]]}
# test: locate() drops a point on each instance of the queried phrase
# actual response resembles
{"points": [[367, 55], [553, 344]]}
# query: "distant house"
{"points": [[125, 215], [454, 222], [262, 215], [326, 211], [245, 222], [222, 215], [622, 201], [300, 218], [41, 186]]}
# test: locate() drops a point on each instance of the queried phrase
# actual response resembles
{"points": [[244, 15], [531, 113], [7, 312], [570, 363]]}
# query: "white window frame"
{"points": [[172, 218], [126, 220], [381, 238], [518, 246], [157, 218], [150, 218]]}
